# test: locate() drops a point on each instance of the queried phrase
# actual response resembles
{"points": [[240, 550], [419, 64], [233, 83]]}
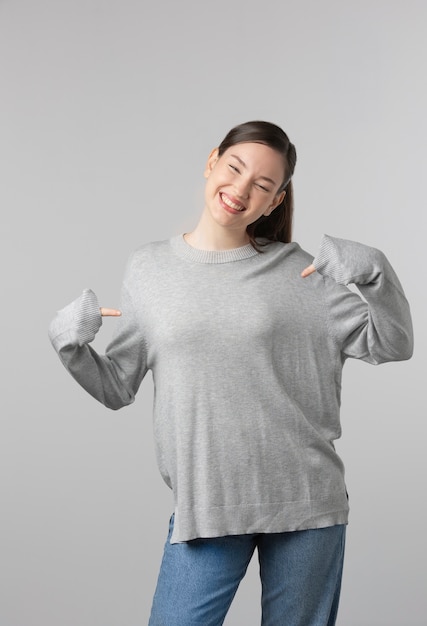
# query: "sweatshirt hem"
{"points": [[258, 518]]}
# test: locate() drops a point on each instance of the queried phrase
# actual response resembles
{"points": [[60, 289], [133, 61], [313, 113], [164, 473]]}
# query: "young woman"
{"points": [[246, 336]]}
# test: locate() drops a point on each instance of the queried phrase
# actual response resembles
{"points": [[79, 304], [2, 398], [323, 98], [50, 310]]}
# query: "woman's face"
{"points": [[243, 184]]}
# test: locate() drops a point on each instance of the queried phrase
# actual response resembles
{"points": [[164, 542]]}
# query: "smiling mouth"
{"points": [[232, 205]]}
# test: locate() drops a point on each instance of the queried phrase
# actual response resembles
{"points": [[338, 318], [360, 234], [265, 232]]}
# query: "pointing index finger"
{"points": [[105, 312], [308, 270]]}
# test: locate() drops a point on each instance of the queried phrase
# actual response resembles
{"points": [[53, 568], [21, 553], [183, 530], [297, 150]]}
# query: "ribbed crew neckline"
{"points": [[184, 250]]}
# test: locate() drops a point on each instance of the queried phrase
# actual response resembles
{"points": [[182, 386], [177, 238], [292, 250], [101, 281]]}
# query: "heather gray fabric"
{"points": [[246, 358]]}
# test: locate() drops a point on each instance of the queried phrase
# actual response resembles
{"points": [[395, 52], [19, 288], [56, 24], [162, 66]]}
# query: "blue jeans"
{"points": [[300, 577]]}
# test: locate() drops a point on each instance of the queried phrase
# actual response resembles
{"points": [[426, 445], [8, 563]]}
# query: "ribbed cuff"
{"points": [[87, 317], [327, 261]]}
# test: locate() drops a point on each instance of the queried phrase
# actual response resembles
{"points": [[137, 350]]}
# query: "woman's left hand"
{"points": [[308, 270]]}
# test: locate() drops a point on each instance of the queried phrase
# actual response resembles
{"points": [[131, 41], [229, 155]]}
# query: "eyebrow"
{"points": [[244, 165]]}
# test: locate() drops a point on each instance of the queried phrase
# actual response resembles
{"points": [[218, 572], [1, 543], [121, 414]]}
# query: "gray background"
{"points": [[108, 112]]}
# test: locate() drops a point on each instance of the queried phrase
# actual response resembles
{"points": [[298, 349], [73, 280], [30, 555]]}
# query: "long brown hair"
{"points": [[278, 225]]}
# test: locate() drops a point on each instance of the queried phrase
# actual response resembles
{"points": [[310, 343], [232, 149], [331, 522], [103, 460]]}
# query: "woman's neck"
{"points": [[214, 237]]}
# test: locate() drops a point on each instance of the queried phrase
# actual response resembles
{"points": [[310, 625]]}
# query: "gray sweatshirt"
{"points": [[246, 358]]}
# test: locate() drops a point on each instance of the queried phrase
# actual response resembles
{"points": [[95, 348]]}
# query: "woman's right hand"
{"points": [[109, 312]]}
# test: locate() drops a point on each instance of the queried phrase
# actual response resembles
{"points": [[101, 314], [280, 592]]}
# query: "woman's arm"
{"points": [[378, 328], [113, 378]]}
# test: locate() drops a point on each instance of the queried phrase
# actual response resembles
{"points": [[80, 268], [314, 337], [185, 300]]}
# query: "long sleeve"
{"points": [[113, 378], [376, 328]]}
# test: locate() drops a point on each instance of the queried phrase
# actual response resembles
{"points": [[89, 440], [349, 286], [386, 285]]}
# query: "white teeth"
{"points": [[232, 205]]}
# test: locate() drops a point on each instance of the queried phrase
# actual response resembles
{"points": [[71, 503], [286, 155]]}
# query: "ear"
{"points": [[277, 200], [212, 159]]}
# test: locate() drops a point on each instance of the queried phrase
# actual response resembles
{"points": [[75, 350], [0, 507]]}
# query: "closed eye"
{"points": [[236, 169]]}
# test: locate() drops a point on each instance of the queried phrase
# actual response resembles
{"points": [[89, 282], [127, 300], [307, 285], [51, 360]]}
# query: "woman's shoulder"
{"points": [[150, 250], [291, 250], [146, 259]]}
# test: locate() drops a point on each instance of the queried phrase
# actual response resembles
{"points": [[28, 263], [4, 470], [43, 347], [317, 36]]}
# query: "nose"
{"points": [[242, 187]]}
